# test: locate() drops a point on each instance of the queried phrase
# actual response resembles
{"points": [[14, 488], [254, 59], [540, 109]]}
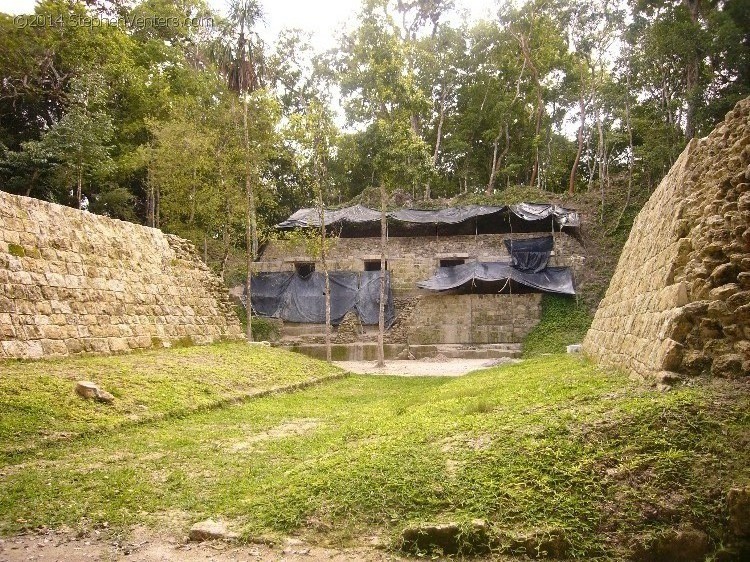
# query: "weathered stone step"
{"points": [[368, 351]]}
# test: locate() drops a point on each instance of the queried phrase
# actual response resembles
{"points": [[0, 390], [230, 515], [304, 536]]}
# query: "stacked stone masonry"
{"points": [[680, 297], [412, 259], [423, 317], [73, 283]]}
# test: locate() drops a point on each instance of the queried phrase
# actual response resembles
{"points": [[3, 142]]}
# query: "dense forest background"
{"points": [[169, 115]]}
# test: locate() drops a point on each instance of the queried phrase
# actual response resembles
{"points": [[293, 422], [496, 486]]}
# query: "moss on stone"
{"points": [[16, 250]]}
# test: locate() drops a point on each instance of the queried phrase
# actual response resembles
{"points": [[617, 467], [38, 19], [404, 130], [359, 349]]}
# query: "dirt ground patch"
{"points": [[286, 429], [145, 546], [422, 368]]}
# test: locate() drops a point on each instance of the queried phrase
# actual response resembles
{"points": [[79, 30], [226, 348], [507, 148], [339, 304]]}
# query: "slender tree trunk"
{"points": [[250, 237], [157, 207], [630, 153], [150, 198], [32, 181], [692, 75], [381, 310], [601, 149], [79, 186], [438, 139], [325, 271], [497, 159], [537, 129], [224, 232], [574, 170], [193, 190]]}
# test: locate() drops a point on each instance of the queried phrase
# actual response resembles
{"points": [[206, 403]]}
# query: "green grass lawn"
{"points": [[38, 404], [548, 444]]}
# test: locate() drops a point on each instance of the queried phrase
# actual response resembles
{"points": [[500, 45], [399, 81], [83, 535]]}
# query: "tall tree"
{"points": [[379, 91], [315, 134], [240, 56], [80, 141]]}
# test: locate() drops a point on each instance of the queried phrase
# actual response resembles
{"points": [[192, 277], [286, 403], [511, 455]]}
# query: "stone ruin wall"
{"points": [[424, 317], [474, 319], [679, 300], [73, 283], [412, 259]]}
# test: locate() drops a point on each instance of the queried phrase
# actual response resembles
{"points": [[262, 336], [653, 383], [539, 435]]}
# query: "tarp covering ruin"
{"points": [[530, 255], [293, 298], [550, 280], [358, 214]]}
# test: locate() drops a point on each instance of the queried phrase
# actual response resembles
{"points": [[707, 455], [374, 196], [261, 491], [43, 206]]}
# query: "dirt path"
{"points": [[144, 546], [437, 367]]}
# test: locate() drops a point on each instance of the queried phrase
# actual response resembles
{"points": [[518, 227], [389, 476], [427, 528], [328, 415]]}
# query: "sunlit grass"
{"points": [[551, 443]]}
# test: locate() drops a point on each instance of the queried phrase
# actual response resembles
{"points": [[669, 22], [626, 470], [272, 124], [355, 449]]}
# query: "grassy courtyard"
{"points": [[552, 443]]}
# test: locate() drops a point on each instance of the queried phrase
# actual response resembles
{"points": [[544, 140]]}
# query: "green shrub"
{"points": [[264, 329], [563, 322]]}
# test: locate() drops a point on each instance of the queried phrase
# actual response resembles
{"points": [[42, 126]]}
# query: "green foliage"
{"points": [[563, 322], [265, 330], [148, 121]]}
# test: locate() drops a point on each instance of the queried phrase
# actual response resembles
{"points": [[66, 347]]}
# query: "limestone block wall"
{"points": [[473, 319], [680, 297], [412, 259], [72, 282], [423, 317]]}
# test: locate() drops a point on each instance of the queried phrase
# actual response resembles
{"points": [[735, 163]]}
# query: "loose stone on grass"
{"points": [[428, 537], [90, 391], [738, 502], [209, 530], [675, 545]]}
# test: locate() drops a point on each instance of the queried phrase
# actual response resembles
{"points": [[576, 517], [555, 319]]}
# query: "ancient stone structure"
{"points": [[460, 318], [72, 282], [680, 297]]}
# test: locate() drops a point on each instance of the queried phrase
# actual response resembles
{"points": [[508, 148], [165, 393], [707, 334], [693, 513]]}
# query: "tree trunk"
{"points": [[574, 170], [150, 198], [381, 309], [224, 232], [692, 75], [438, 139], [193, 196], [629, 129], [537, 129], [79, 187], [325, 272], [496, 160], [250, 236]]}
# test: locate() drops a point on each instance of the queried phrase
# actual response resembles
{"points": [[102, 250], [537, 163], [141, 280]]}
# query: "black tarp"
{"points": [[550, 280], [531, 254], [294, 298], [360, 215]]}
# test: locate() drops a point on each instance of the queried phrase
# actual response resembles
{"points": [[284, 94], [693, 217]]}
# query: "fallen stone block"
{"points": [[90, 391], [210, 530], [738, 504], [675, 545]]}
